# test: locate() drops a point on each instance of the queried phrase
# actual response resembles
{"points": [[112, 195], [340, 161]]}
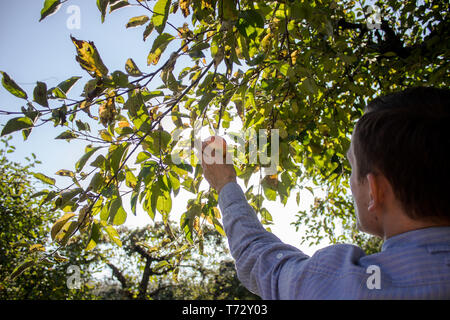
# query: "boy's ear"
{"points": [[375, 192]]}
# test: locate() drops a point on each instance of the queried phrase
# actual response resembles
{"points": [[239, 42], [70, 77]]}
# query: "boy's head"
{"points": [[405, 137]]}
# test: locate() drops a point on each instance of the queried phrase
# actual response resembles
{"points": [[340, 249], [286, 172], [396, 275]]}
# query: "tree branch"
{"points": [[145, 278], [123, 281]]}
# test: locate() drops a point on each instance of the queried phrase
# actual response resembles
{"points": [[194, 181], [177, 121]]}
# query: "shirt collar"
{"points": [[418, 237]]}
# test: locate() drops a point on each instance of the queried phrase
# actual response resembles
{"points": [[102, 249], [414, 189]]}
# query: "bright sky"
{"points": [[42, 51]]}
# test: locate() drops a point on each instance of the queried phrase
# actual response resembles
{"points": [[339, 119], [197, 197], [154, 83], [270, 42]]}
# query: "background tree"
{"points": [[306, 68], [25, 226], [148, 267]]}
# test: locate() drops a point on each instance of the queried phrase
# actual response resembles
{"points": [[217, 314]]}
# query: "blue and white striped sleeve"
{"points": [[263, 262]]}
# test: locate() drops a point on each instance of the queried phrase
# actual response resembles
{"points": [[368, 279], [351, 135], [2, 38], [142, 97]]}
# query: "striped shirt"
{"points": [[411, 265]]}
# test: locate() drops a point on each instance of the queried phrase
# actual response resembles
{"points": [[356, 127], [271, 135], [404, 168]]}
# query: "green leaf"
{"points": [[252, 17], [105, 135], [57, 93], [50, 7], [160, 14], [66, 85], [148, 30], [142, 156], [158, 141], [67, 135], [120, 79], [137, 21], [117, 215], [164, 203], [174, 180], [65, 173], [187, 220], [186, 225], [218, 226], [102, 5], [89, 152], [113, 235], [270, 194], [205, 100], [39, 193], [150, 202], [67, 196], [228, 10], [130, 179], [82, 126], [99, 162], [94, 236], [159, 45], [20, 269], [12, 87], [16, 124], [97, 182], [117, 153], [266, 216], [40, 94], [44, 178], [117, 5], [160, 265], [133, 202]]}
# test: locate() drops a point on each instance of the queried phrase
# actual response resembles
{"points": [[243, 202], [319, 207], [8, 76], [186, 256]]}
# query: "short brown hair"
{"points": [[405, 137]]}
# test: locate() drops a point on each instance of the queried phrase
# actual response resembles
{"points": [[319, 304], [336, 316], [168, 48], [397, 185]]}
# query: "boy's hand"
{"points": [[216, 173]]}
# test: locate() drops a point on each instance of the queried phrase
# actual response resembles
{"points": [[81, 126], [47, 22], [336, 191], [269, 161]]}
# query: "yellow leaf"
{"points": [[105, 135], [60, 258], [184, 6], [66, 232], [216, 213], [197, 225], [123, 124], [159, 45], [132, 68], [89, 58], [137, 21], [206, 4], [107, 112], [36, 247], [57, 226]]}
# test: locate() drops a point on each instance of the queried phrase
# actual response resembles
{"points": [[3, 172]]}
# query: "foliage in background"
{"points": [[145, 268], [148, 268], [25, 227], [306, 68]]}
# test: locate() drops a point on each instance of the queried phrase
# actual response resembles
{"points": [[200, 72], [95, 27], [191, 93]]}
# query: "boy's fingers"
{"points": [[204, 144]]}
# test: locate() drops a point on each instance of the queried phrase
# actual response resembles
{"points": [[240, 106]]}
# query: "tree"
{"points": [[301, 69], [25, 225], [148, 267]]}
